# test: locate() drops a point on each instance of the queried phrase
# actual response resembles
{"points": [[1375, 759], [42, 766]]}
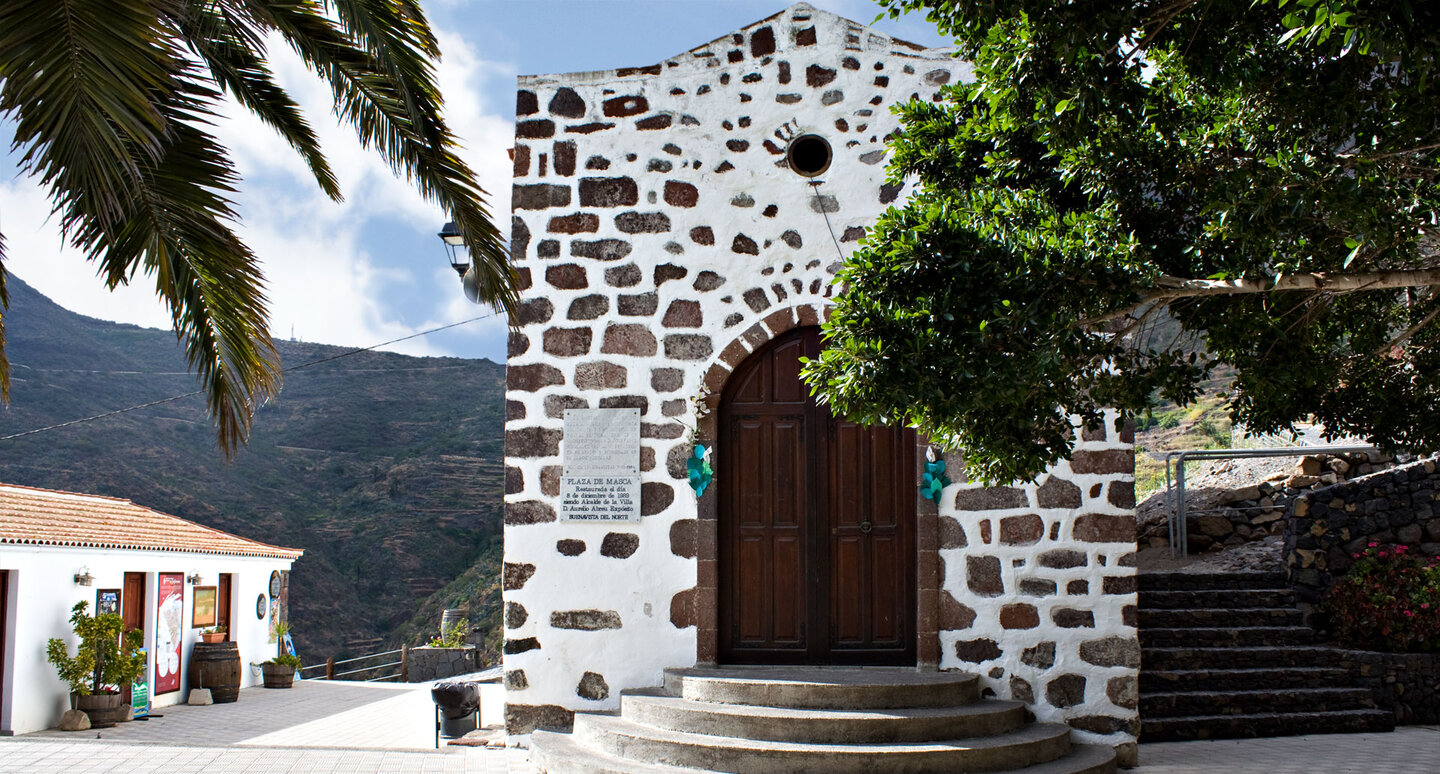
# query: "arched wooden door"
{"points": [[817, 523]]}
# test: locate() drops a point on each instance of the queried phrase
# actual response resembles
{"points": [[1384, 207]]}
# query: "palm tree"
{"points": [[111, 102]]}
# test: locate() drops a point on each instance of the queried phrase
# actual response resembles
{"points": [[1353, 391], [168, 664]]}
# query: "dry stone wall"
{"points": [[1327, 527], [661, 238]]}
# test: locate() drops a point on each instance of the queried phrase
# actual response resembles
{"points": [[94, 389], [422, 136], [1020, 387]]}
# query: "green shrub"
{"points": [[1388, 600], [452, 636], [107, 659], [286, 660]]}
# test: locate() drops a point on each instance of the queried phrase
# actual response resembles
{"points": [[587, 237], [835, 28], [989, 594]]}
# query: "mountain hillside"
{"points": [[385, 468]]}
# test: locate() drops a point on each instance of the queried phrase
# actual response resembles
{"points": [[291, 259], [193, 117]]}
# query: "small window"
{"points": [[808, 155]]}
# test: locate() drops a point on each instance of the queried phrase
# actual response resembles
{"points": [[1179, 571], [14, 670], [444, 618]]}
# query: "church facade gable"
{"points": [[664, 239]]}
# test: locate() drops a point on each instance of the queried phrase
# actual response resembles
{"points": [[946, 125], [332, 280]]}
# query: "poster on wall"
{"points": [[169, 632], [107, 601], [204, 613]]}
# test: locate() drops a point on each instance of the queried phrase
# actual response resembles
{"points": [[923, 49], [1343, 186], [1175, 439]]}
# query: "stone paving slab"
{"points": [[1406, 750], [31, 755], [315, 713]]}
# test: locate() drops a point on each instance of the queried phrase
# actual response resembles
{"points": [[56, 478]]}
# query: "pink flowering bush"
{"points": [[1388, 600]]}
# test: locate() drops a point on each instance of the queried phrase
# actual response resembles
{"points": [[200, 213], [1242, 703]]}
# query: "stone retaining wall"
{"points": [[424, 664], [1326, 527], [1407, 684]]}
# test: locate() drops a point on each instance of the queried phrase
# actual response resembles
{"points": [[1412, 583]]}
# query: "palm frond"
{"points": [[394, 107], [4, 308], [74, 76], [175, 230], [229, 45]]}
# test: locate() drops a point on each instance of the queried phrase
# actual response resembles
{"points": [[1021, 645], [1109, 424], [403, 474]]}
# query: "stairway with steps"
{"points": [[768, 720], [1227, 655]]}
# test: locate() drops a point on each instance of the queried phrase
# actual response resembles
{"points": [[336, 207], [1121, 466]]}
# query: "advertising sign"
{"points": [[140, 695], [169, 632]]}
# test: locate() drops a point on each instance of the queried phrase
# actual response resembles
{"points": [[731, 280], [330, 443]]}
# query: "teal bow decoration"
{"points": [[934, 479], [699, 470]]}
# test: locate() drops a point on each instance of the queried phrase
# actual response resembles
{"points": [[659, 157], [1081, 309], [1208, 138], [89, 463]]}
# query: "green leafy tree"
{"points": [[1263, 172], [111, 102], [108, 657]]}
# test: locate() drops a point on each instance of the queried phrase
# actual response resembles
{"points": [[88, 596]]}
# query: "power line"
{"points": [[174, 398]]}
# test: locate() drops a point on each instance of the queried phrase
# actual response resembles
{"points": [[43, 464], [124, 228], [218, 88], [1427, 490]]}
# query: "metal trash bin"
{"points": [[457, 709]]}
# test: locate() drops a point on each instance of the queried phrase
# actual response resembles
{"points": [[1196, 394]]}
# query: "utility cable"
{"points": [[820, 204], [173, 398]]}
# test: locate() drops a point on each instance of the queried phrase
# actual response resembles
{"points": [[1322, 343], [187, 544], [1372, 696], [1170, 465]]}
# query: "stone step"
{"points": [[553, 752], [1216, 637], [1034, 744], [823, 688], [1195, 581], [1212, 598], [1162, 658], [1168, 680], [984, 718], [557, 753], [1254, 702], [1164, 729], [1220, 616]]}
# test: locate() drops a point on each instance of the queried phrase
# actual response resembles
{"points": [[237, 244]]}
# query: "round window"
{"points": [[808, 155]]}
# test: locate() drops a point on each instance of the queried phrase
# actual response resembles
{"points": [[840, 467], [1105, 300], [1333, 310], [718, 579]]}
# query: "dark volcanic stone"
{"points": [[619, 545], [585, 620]]}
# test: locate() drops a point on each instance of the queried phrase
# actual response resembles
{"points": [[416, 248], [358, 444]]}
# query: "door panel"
{"points": [[222, 604], [816, 523]]}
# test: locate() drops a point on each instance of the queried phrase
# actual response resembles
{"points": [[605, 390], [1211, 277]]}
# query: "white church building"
{"points": [[677, 228]]}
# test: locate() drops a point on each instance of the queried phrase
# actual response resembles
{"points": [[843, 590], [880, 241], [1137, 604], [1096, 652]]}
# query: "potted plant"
{"points": [[106, 660], [279, 672], [213, 634]]}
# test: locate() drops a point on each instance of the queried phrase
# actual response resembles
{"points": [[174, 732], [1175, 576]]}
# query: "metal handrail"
{"points": [[329, 666], [1176, 519]]}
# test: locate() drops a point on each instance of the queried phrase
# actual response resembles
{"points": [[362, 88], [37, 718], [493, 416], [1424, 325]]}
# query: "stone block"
{"points": [[991, 499], [619, 545], [585, 620], [982, 575]]}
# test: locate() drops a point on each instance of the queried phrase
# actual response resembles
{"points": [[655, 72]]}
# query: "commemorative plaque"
{"points": [[600, 480]]}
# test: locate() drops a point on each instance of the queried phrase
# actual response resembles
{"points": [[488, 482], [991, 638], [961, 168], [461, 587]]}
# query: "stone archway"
{"points": [[703, 603]]}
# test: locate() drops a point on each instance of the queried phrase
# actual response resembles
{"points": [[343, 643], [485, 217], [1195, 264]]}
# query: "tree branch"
{"points": [[1172, 288]]}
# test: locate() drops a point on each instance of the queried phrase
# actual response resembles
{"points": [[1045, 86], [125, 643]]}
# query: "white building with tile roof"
{"points": [[58, 548]]}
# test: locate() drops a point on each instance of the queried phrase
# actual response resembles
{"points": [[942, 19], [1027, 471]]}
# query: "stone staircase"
{"points": [[768, 720], [1228, 656]]}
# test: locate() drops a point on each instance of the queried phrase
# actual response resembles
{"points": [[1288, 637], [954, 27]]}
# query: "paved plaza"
{"points": [[363, 728]]}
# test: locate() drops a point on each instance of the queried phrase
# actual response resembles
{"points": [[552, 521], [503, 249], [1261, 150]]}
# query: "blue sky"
{"points": [[371, 269]]}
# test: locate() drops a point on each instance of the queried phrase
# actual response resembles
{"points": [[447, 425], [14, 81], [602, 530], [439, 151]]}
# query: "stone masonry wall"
{"points": [[1324, 528], [661, 238], [1038, 594], [1407, 684], [424, 664]]}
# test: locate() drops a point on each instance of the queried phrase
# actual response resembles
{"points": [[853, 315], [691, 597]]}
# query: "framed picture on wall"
{"points": [[107, 601], [204, 612]]}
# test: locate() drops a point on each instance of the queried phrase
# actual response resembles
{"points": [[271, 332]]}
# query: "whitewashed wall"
{"points": [[42, 590], [661, 238]]}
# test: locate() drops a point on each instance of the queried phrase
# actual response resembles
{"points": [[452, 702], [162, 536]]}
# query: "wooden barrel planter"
{"points": [[103, 709], [277, 675], [216, 666]]}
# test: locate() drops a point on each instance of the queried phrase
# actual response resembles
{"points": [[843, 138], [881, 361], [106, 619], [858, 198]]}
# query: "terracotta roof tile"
{"points": [[31, 516]]}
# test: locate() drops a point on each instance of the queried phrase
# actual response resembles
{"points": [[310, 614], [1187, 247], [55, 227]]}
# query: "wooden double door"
{"points": [[816, 523]]}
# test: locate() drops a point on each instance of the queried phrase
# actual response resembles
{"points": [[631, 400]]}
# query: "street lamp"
{"points": [[454, 242]]}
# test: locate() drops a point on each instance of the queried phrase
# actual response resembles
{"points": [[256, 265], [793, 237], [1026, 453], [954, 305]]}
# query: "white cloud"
{"points": [[321, 279], [37, 254]]}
